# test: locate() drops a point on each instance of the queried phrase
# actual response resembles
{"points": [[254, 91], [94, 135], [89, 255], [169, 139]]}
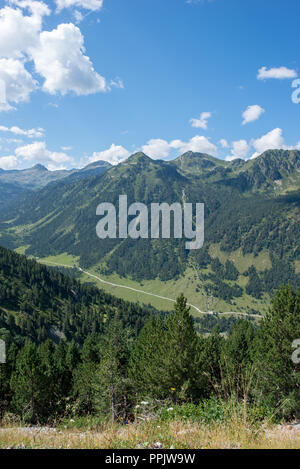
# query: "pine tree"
{"points": [[111, 385], [278, 375], [210, 374], [29, 385], [146, 367], [164, 360], [180, 351], [236, 361]]}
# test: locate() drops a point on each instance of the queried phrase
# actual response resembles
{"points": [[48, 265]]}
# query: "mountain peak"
{"points": [[138, 157], [199, 162], [39, 167], [97, 164]]}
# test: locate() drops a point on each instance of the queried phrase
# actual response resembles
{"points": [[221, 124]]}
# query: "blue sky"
{"points": [[82, 80]]}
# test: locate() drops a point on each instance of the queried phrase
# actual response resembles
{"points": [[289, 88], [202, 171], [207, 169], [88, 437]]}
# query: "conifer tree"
{"points": [[146, 367], [111, 385], [29, 385], [236, 361], [278, 375], [164, 360]]}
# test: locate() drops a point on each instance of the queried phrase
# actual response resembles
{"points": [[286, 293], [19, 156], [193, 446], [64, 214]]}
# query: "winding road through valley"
{"points": [[142, 291]]}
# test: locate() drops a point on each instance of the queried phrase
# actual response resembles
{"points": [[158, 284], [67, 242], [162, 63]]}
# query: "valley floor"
{"points": [[162, 295], [154, 435]]}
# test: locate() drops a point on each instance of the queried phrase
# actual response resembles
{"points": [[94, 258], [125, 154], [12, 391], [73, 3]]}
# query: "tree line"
{"points": [[167, 361]]}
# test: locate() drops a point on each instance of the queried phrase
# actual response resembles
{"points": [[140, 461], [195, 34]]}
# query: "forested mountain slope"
{"points": [[251, 208], [37, 303]]}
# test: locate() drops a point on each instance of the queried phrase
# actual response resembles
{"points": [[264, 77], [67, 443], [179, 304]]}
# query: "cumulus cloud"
{"points": [[31, 133], [252, 113], [201, 123], [93, 5], [279, 73], [16, 83], [8, 162], [59, 58], [19, 32], [157, 148], [197, 144], [271, 141], [114, 155], [38, 152], [240, 149], [160, 149]]}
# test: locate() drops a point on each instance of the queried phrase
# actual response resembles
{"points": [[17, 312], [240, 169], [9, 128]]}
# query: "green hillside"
{"points": [[251, 212], [38, 303]]}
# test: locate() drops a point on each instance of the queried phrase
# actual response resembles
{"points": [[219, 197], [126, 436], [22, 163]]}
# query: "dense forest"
{"points": [[116, 373], [73, 350], [38, 303]]}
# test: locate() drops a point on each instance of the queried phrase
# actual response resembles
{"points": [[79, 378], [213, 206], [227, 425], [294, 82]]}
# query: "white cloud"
{"points": [[54, 167], [117, 83], [201, 123], [279, 73], [59, 55], [59, 58], [197, 144], [157, 148], [17, 83], [78, 16], [38, 152], [252, 113], [114, 155], [271, 141], [31, 133], [18, 32], [223, 142], [86, 4], [240, 149], [8, 162]]}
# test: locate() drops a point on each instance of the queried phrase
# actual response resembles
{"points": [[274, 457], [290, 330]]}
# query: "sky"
{"points": [[88, 80]]}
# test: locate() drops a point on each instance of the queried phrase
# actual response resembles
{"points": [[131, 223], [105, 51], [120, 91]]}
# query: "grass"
{"points": [[189, 285], [177, 434], [242, 261], [64, 258], [22, 249]]}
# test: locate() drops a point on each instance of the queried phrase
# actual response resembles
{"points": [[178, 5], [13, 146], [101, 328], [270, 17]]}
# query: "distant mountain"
{"points": [[10, 192], [15, 183], [252, 220]]}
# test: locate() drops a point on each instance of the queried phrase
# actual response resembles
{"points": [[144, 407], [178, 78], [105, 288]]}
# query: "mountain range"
{"points": [[251, 225], [18, 183]]}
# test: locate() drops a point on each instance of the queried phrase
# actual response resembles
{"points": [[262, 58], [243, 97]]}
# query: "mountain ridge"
{"points": [[22, 182], [246, 209]]}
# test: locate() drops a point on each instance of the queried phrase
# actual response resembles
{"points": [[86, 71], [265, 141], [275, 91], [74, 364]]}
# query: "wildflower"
{"points": [[158, 445], [173, 389], [169, 409], [144, 403]]}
